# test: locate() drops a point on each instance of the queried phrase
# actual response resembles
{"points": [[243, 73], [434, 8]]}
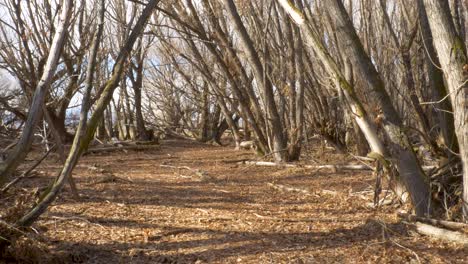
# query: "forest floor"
{"points": [[133, 210]]}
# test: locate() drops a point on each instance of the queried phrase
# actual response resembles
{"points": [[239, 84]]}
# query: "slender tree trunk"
{"points": [[35, 111], [109, 123], [87, 129], [296, 134], [129, 120], [142, 133], [262, 142], [407, 163], [279, 142], [205, 114], [240, 69], [60, 148], [405, 56], [101, 130], [436, 81]]}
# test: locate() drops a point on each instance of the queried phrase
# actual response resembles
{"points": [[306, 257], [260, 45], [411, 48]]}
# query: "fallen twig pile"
{"points": [[446, 182]]}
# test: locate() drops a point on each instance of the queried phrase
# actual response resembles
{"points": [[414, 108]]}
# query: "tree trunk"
{"points": [[58, 121], [205, 114], [407, 163], [452, 56], [296, 133], [87, 129], [142, 133], [204, 69], [279, 143], [405, 56], [35, 111], [401, 149], [436, 81]]}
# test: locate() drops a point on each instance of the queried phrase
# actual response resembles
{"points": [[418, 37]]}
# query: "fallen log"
{"points": [[119, 143], [317, 167], [247, 144], [280, 187], [235, 161], [111, 178], [340, 167], [200, 173], [447, 224], [363, 158], [124, 148], [147, 143], [269, 164], [285, 188], [441, 233], [425, 168]]}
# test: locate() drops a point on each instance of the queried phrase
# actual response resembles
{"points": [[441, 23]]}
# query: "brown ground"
{"points": [[225, 213]]}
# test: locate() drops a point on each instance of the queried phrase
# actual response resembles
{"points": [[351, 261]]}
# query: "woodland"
{"points": [[233, 131]]}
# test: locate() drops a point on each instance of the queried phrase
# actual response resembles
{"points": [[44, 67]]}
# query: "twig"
{"points": [[447, 96], [12, 227], [26, 173]]}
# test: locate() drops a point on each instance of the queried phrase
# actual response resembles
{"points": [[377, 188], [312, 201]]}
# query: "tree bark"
{"points": [[279, 143], [407, 163], [401, 149], [436, 81], [142, 133], [35, 111], [87, 129], [453, 59]]}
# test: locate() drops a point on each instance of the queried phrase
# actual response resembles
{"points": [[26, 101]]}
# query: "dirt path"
{"points": [[226, 213]]}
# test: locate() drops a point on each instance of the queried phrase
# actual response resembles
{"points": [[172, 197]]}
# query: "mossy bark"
{"points": [[35, 111], [86, 130], [401, 150]]}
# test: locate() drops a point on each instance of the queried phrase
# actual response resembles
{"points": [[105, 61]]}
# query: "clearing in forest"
{"points": [[193, 203]]}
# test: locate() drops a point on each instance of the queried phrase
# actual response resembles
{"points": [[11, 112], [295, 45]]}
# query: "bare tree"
{"points": [[35, 111]]}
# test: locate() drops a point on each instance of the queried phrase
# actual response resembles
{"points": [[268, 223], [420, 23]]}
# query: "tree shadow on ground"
{"points": [[217, 245]]}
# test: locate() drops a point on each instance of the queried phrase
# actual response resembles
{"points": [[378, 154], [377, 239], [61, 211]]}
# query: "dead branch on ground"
{"points": [[440, 233], [317, 167], [124, 148], [26, 173], [447, 224], [285, 188], [202, 174]]}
